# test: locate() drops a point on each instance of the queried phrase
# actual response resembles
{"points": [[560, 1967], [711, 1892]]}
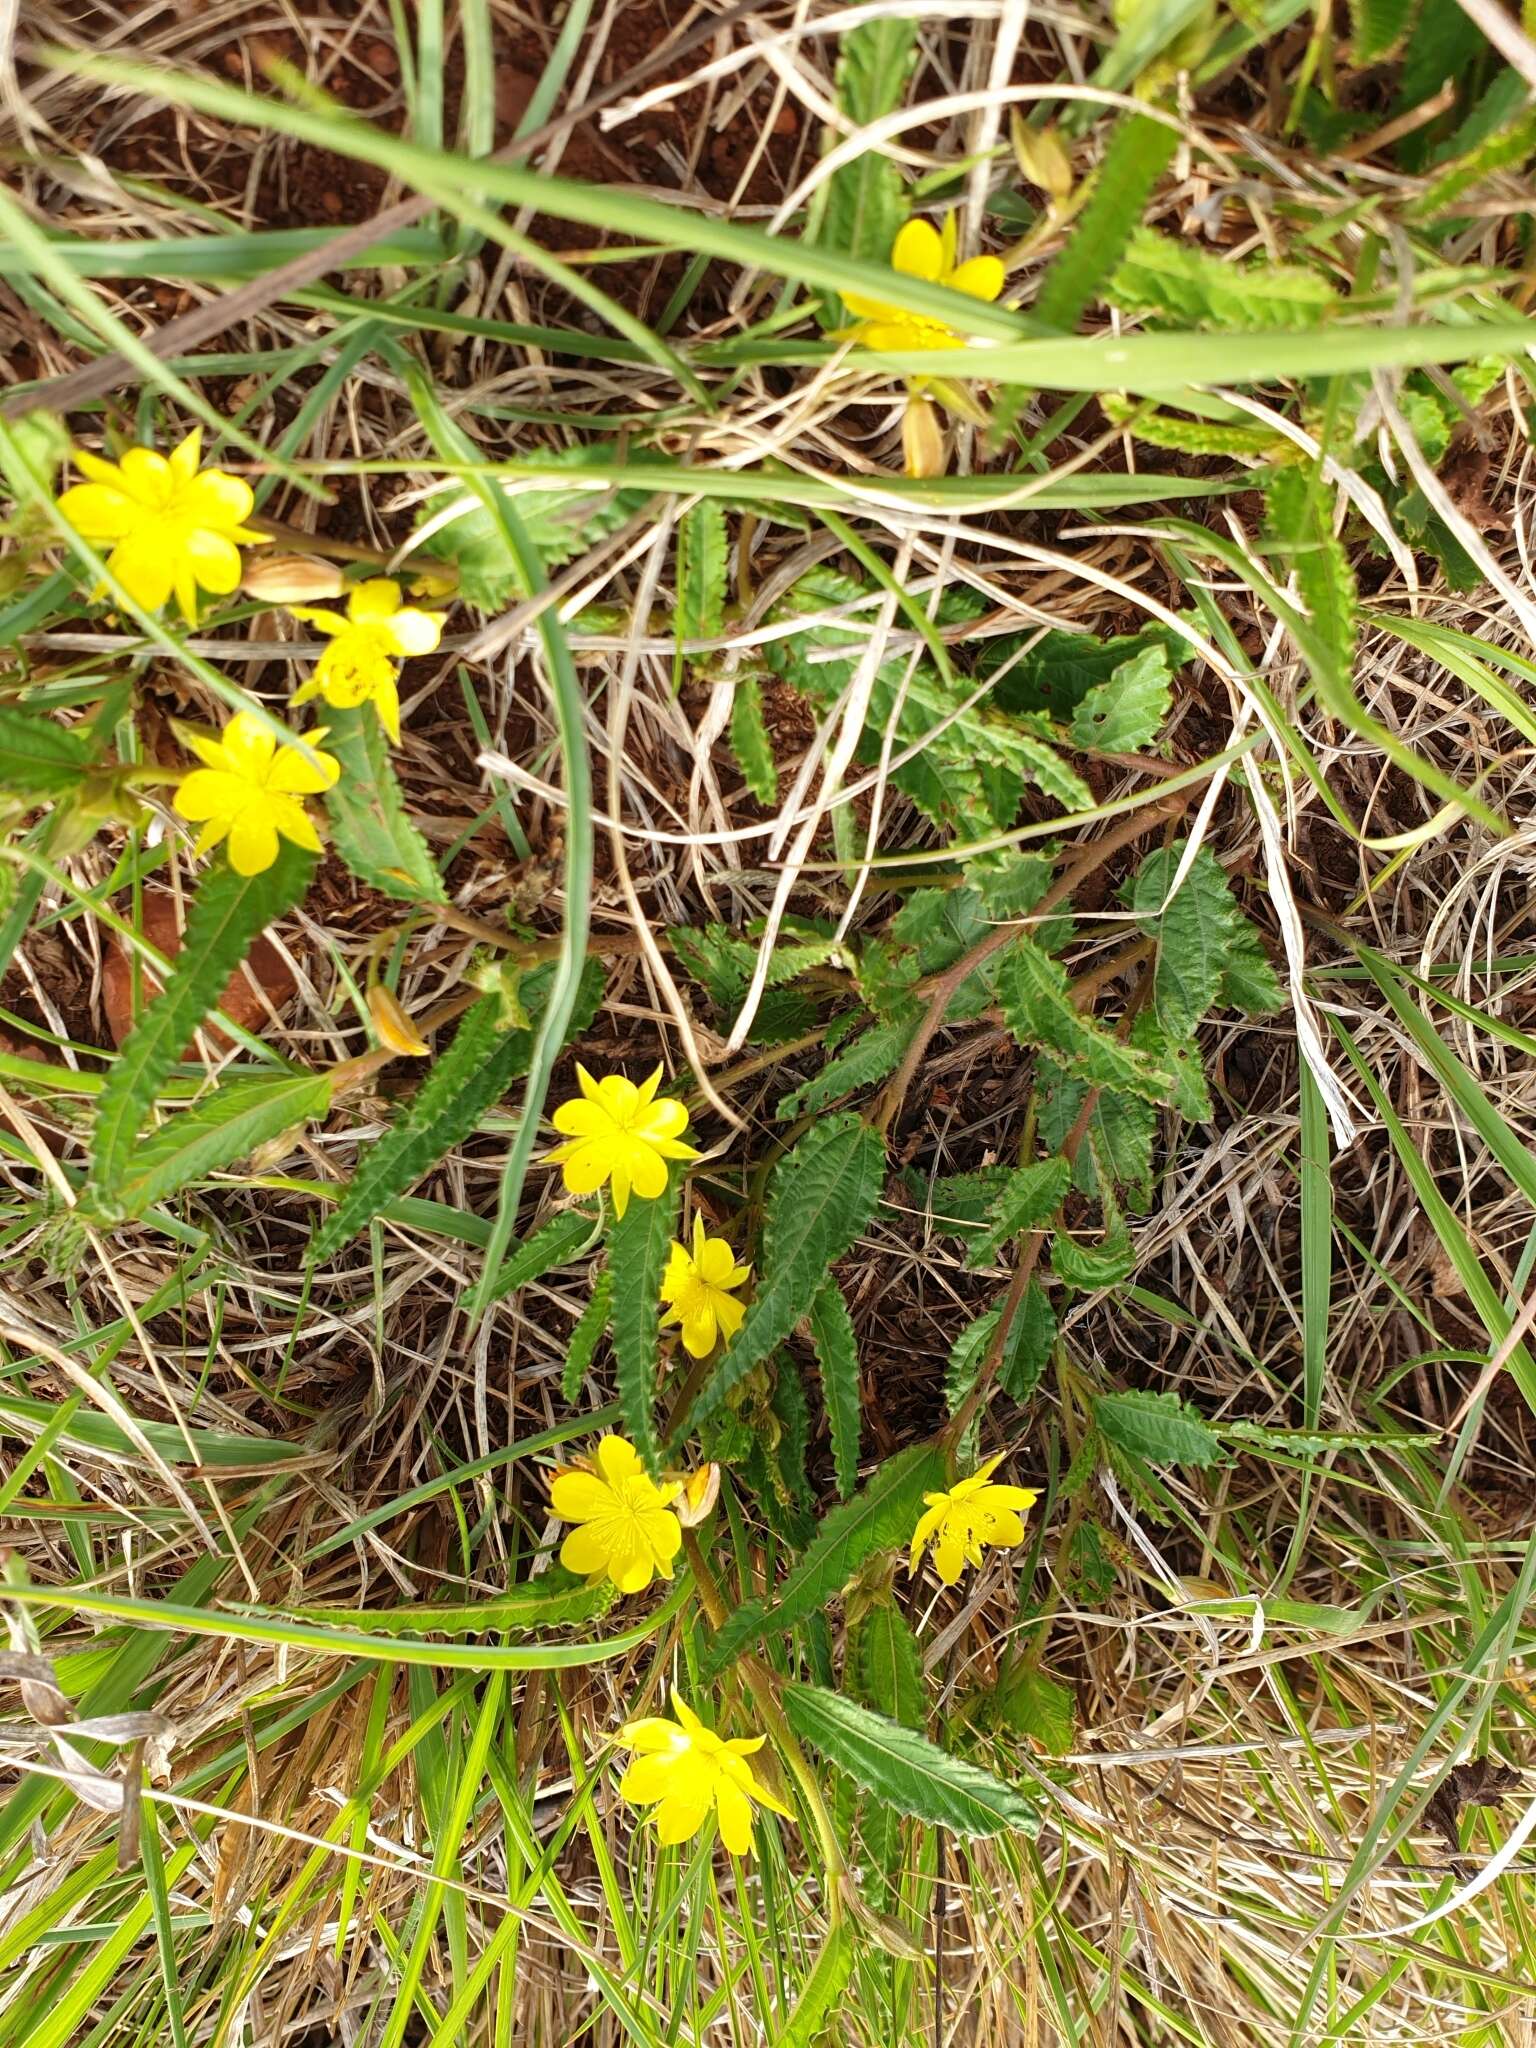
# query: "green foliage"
{"points": [[702, 561], [554, 1600], [1029, 1198], [822, 1197], [1377, 26], [560, 520], [1300, 531], [887, 1676], [638, 1244], [39, 758], [477, 1069], [228, 914], [228, 1123], [1127, 712], [1199, 288], [837, 1354], [1026, 1353], [586, 1337], [1156, 1428], [1118, 1148], [750, 741], [1038, 1707], [1038, 1009], [369, 820], [721, 962], [556, 1243], [1505, 147], [902, 1767], [1139, 152], [1207, 951], [1162, 429], [821, 1992], [967, 778], [879, 1517], [1059, 671], [867, 202], [1090, 1267], [872, 1055]]}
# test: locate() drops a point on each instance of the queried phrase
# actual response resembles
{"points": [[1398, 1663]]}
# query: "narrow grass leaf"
{"points": [[837, 1354], [555, 1243]]}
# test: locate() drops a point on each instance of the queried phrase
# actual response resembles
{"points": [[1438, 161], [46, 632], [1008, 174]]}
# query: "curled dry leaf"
{"points": [[252, 993]]}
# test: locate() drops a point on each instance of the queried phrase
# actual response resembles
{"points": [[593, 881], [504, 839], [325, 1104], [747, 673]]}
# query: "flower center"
{"points": [[354, 665]]}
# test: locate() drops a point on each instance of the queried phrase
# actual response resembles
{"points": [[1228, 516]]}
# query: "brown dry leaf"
{"points": [[265, 979]]}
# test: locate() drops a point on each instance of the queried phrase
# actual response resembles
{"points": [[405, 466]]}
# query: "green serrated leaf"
{"points": [[867, 201], [474, 1073], [821, 1198], [555, 1600], [586, 1337], [1056, 672], [39, 758], [1139, 151], [1028, 1199], [794, 1418], [750, 741], [702, 562], [1181, 1058], [960, 1202], [369, 822], [556, 1243], [1205, 944], [228, 914], [1120, 1135], [1038, 1707], [966, 773], [1191, 436], [638, 1245], [874, 1054], [1090, 1267], [227, 1124], [1157, 1428], [1300, 533], [887, 1676], [1038, 1009], [1377, 26], [903, 1768], [837, 1354], [821, 1992], [1031, 1335], [559, 519], [1200, 288], [1127, 712], [880, 1517]]}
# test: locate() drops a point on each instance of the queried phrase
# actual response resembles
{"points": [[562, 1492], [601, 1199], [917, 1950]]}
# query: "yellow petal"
{"points": [[395, 1029], [918, 251], [99, 511], [415, 632], [252, 842], [371, 603], [981, 278], [580, 1497]]}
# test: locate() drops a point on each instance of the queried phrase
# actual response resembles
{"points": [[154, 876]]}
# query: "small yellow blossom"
{"points": [[248, 791], [694, 1287], [922, 251], [169, 526], [686, 1772], [626, 1530], [974, 1512], [359, 665], [619, 1132]]}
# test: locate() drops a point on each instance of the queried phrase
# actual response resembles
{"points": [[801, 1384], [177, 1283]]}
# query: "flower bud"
{"points": [[696, 1502], [290, 579], [922, 439], [395, 1029]]}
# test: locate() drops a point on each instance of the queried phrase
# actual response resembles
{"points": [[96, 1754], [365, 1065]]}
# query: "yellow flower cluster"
{"points": [[172, 527]]}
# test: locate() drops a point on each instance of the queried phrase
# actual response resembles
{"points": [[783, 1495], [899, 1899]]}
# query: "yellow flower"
{"points": [[972, 1513], [626, 1530], [169, 526], [620, 1131], [921, 251], [686, 1772], [248, 791], [694, 1287], [359, 665]]}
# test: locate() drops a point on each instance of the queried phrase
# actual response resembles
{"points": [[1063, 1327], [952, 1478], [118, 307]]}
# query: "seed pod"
{"points": [[395, 1029], [290, 579]]}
